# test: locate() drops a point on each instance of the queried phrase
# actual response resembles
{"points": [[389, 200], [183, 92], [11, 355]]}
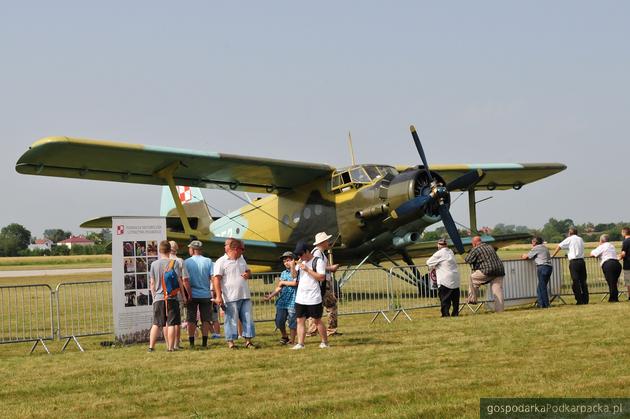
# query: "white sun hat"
{"points": [[321, 237]]}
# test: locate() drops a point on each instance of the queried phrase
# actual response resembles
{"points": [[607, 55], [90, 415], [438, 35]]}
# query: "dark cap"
{"points": [[301, 248], [287, 254], [196, 244]]}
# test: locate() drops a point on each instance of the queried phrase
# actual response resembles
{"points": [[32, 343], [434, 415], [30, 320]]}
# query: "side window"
{"points": [[336, 181]]}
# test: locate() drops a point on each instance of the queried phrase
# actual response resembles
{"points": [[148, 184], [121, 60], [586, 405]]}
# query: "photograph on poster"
{"points": [[152, 248], [141, 265], [130, 299], [127, 248], [130, 282], [151, 260], [141, 248], [141, 281], [143, 298], [130, 265]]}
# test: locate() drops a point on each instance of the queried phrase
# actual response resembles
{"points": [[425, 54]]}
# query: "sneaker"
{"points": [[323, 345], [298, 346], [150, 350], [284, 341], [216, 336]]}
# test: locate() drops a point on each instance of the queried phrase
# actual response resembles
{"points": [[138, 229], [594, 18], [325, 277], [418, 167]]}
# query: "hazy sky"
{"points": [[483, 81]]}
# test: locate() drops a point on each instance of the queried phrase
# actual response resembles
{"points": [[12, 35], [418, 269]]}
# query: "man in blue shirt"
{"points": [[199, 287]]}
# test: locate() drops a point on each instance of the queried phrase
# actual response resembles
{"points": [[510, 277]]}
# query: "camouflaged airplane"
{"points": [[376, 212]]}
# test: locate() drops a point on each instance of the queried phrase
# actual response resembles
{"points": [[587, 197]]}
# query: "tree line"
{"points": [[15, 239], [554, 230]]}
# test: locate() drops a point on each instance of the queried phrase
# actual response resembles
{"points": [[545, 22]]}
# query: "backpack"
{"points": [[323, 284], [170, 284]]}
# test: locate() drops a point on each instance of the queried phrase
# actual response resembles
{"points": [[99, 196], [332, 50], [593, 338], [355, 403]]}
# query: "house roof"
{"points": [[42, 241], [76, 240]]}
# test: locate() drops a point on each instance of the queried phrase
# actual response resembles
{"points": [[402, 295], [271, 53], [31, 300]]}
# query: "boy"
{"points": [[285, 304], [166, 314]]}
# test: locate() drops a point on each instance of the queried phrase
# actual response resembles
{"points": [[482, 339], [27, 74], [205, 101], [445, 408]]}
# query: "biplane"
{"points": [[376, 212]]}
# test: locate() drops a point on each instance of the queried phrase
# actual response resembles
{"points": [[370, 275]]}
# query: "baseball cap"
{"points": [[301, 248], [196, 244], [288, 254]]}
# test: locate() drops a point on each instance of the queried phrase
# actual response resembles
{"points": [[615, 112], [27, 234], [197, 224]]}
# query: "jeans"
{"points": [[284, 314], [544, 274], [239, 310]]}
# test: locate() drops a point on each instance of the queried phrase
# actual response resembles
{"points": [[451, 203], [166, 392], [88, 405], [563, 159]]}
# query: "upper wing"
{"points": [[500, 175], [136, 163]]}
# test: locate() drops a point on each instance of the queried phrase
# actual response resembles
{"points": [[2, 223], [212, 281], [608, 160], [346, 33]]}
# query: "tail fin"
{"points": [[194, 203]]}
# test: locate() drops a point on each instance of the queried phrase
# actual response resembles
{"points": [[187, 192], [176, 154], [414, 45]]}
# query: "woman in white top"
{"points": [[607, 256]]}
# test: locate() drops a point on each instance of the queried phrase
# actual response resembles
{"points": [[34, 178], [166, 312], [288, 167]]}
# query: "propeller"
{"points": [[438, 193]]}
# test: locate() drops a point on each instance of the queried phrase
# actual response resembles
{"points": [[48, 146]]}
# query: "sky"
{"points": [[483, 81]]}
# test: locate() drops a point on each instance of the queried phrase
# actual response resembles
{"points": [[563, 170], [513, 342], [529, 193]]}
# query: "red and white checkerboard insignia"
{"points": [[185, 194], [120, 229]]}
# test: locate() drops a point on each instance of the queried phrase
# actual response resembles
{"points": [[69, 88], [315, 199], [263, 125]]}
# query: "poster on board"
{"points": [[135, 243]]}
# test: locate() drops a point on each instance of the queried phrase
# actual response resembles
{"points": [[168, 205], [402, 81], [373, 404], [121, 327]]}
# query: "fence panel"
{"points": [[26, 314], [595, 278], [366, 291], [260, 285], [84, 309]]}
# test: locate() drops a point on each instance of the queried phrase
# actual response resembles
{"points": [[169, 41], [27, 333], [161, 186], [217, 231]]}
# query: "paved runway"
{"points": [[57, 272]]}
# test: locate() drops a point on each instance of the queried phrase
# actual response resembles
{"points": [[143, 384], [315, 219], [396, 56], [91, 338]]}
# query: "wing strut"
{"points": [[167, 174], [472, 210]]}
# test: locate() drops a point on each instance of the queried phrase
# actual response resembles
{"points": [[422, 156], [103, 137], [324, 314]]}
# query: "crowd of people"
{"points": [[306, 287], [488, 269], [203, 287]]}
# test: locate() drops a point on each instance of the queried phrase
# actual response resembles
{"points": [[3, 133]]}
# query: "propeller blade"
{"points": [[411, 206], [451, 228], [466, 180], [416, 140]]}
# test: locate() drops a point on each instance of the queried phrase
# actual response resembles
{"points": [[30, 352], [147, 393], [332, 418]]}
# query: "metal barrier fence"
{"points": [[26, 314], [83, 309], [36, 313]]}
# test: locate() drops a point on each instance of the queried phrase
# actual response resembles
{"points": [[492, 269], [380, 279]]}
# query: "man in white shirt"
{"points": [[445, 266], [230, 285], [575, 252], [329, 299]]}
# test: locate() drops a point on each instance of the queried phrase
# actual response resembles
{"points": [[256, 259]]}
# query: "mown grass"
{"points": [[429, 367], [55, 262], [53, 280]]}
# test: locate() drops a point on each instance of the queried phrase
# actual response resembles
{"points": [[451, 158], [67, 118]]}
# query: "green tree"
{"points": [[555, 231], [56, 235], [13, 239]]}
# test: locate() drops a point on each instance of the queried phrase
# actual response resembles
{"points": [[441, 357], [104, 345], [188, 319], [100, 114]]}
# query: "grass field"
{"points": [[430, 367], [55, 262]]}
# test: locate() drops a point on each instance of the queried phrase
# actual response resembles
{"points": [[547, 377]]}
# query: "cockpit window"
{"points": [[358, 176], [372, 172]]}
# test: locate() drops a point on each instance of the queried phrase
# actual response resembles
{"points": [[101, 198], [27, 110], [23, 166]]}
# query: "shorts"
{"points": [[161, 318], [284, 314], [315, 311], [207, 310], [626, 277]]}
